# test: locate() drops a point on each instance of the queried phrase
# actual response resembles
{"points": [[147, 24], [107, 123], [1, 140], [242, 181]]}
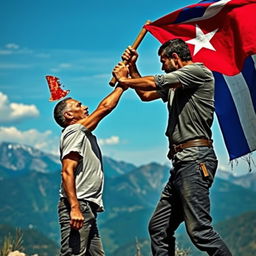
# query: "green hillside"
{"points": [[239, 233]]}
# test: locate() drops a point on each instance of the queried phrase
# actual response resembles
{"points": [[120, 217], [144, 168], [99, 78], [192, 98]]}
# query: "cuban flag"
{"points": [[222, 35]]}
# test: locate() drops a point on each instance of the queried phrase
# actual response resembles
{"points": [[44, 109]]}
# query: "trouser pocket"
{"points": [[208, 169]]}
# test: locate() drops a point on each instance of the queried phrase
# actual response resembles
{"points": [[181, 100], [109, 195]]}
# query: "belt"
{"points": [[188, 144]]}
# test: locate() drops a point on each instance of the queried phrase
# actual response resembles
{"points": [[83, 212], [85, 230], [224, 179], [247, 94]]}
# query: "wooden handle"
{"points": [[135, 45]]}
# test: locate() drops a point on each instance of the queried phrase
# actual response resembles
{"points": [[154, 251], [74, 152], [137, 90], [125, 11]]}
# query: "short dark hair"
{"points": [[58, 112], [175, 46]]}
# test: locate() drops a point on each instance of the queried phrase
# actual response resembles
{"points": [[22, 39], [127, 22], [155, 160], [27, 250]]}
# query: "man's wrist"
{"points": [[75, 205], [122, 86], [132, 65], [122, 80]]}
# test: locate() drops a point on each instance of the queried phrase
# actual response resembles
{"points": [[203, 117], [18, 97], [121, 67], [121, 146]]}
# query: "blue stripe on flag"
{"points": [[197, 11], [249, 74], [208, 1], [228, 119], [190, 13]]}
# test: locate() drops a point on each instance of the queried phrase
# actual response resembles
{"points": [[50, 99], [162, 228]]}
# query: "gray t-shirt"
{"points": [[89, 172], [191, 107]]}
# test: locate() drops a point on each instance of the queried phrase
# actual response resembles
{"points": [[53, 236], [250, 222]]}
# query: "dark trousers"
{"points": [[186, 198], [85, 241]]}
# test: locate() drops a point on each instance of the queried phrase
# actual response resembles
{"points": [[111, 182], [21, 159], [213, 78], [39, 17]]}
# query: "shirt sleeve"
{"points": [[189, 76], [165, 81], [162, 90], [73, 140]]}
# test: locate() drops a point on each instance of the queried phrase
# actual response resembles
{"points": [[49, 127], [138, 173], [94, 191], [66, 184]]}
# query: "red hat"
{"points": [[55, 88]]}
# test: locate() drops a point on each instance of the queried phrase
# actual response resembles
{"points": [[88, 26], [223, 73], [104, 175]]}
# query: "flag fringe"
{"points": [[248, 158]]}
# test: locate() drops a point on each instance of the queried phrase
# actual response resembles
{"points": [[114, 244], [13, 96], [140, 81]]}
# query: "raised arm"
{"points": [[104, 108], [144, 87]]}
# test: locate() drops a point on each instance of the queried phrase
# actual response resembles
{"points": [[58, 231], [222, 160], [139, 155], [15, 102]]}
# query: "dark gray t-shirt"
{"points": [[89, 172], [191, 107]]}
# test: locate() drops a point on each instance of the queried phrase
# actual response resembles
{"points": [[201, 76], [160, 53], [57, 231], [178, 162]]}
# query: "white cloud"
{"points": [[43, 55], [12, 46], [44, 141], [5, 52], [9, 49], [11, 112], [61, 67], [14, 65], [65, 65], [90, 77], [41, 140], [113, 140]]}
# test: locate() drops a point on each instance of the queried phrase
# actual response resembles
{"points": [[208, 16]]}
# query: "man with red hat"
{"points": [[82, 174]]}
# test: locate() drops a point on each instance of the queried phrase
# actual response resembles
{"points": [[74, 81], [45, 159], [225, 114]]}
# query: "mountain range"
{"points": [[29, 182]]}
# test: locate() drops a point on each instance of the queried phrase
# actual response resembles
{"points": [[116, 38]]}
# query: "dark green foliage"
{"points": [[230, 200], [33, 241], [31, 201], [240, 234], [11, 243], [131, 248]]}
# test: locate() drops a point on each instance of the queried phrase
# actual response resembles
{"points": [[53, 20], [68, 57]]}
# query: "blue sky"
{"points": [[80, 42]]}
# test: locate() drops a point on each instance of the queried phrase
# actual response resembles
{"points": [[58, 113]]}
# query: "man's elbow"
{"points": [[144, 98], [66, 173]]}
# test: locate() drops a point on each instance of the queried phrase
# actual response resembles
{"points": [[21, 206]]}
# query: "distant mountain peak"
{"points": [[116, 168], [23, 158], [10, 147]]}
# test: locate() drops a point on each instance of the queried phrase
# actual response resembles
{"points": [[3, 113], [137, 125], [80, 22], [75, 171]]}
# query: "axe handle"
{"points": [[135, 45]]}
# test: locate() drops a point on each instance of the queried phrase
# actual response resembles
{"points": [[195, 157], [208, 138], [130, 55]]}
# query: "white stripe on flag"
{"points": [[211, 11], [244, 105], [254, 60]]}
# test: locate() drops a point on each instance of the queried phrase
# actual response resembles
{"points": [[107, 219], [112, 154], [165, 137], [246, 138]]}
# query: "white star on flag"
{"points": [[202, 40]]}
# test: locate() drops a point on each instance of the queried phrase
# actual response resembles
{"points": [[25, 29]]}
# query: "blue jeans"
{"points": [[186, 198], [85, 241]]}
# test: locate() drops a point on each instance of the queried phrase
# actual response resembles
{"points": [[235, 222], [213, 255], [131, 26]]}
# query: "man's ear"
{"points": [[177, 60], [68, 115], [175, 56]]}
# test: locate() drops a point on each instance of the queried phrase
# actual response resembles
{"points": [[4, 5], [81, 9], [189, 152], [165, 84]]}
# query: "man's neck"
{"points": [[185, 63]]}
